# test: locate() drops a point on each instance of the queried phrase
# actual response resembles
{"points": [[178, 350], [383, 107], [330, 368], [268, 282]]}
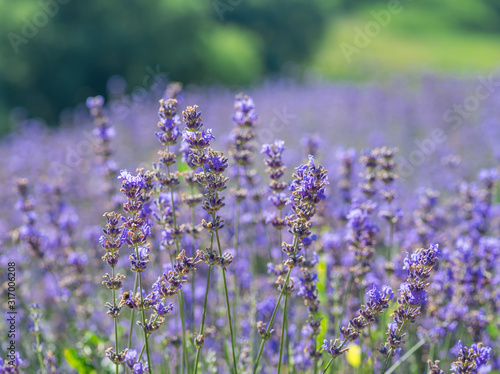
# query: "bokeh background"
{"points": [[53, 62]]}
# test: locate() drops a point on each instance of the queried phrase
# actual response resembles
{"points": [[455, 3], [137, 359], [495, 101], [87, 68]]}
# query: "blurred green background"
{"points": [[55, 53]]}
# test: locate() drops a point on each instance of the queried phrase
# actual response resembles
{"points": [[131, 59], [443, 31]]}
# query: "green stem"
{"points": [[227, 306], [185, 361], [132, 314], [391, 241], [431, 352], [268, 329], [281, 238], [142, 352], [144, 318], [283, 326], [39, 353], [406, 356], [193, 222], [266, 232], [328, 365], [344, 300], [448, 343], [198, 350], [177, 359], [237, 214], [389, 354], [115, 322], [289, 358], [236, 247], [226, 293], [331, 360]]}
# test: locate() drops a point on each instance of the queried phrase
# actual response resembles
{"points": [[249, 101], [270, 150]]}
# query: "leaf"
{"points": [[93, 338], [493, 331], [77, 362], [182, 166]]}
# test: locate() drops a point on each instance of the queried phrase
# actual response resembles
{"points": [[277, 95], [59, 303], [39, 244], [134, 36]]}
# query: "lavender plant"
{"points": [[308, 189], [342, 247]]}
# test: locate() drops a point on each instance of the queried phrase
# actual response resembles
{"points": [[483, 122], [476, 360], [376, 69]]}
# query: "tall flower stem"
{"points": [[345, 299], [143, 316], [205, 303], [281, 235], [391, 241], [266, 233], [132, 314], [236, 244], [180, 295], [237, 216], [227, 305], [226, 293], [39, 354], [268, 329], [185, 361], [115, 322], [331, 360], [35, 317], [193, 223], [283, 327], [389, 354], [406, 356], [198, 350]]}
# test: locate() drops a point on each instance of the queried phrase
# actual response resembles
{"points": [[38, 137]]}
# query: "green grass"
{"points": [[414, 40]]}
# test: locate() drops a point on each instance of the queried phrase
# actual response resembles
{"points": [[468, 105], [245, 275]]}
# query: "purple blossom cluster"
{"points": [[242, 261]]}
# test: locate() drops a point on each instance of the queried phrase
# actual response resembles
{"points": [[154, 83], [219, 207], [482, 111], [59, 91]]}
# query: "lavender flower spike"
{"points": [[376, 305], [471, 360], [411, 298]]}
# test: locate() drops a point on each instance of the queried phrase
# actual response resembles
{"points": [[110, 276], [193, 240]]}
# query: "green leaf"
{"points": [[77, 362], [92, 338], [493, 330], [182, 166]]}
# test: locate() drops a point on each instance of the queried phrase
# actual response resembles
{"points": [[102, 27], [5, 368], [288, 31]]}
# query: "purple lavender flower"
{"points": [[169, 122], [12, 364], [361, 239], [434, 367], [412, 295], [95, 102], [139, 262], [310, 144], [216, 163], [308, 189], [104, 133], [375, 306], [274, 151], [347, 157], [377, 303], [471, 360], [131, 186], [276, 169]]}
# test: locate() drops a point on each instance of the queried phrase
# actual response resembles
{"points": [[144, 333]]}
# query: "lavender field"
{"points": [[306, 227]]}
